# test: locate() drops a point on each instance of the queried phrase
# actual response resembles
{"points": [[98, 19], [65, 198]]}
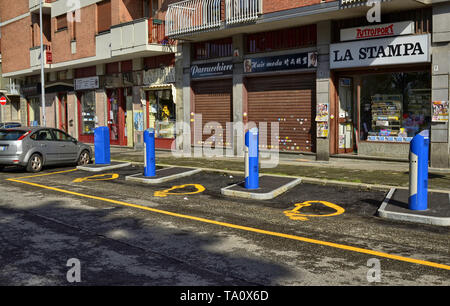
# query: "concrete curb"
{"points": [[383, 213], [105, 168], [154, 181], [306, 179], [226, 191]]}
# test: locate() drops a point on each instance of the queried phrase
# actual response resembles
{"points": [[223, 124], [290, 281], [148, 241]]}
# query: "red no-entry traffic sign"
{"points": [[3, 100]]}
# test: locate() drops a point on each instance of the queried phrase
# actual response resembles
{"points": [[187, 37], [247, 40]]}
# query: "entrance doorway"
{"points": [[63, 112], [345, 113], [116, 116]]}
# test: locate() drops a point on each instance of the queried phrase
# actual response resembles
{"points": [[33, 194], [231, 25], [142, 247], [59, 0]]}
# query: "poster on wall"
{"points": [[322, 129], [440, 111], [138, 120], [322, 112]]}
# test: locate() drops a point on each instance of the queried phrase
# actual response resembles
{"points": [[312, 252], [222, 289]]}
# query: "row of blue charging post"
{"points": [[103, 153], [419, 156]]}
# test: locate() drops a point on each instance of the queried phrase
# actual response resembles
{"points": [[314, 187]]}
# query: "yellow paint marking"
{"points": [[45, 174], [99, 177], [296, 215], [165, 193], [248, 229]]}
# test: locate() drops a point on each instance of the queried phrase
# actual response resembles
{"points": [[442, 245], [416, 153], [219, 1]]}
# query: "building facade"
{"points": [[107, 63], [337, 84]]}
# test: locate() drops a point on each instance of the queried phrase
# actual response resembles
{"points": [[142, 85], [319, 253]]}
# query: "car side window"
{"points": [[42, 135], [61, 136]]}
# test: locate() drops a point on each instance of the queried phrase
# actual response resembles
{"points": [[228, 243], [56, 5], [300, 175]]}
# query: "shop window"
{"points": [[15, 109], [395, 106], [34, 112], [88, 113], [161, 113]]}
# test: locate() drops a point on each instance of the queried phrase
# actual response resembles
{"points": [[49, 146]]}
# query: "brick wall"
{"points": [[16, 44], [270, 6], [13, 8], [85, 37]]}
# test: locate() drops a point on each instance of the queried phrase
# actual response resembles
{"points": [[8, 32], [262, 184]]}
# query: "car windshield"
{"points": [[11, 134]]}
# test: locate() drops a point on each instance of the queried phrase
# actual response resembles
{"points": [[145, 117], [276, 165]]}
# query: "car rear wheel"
{"points": [[84, 159], [35, 163]]}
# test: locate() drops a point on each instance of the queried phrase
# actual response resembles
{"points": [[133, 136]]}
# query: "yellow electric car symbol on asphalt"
{"points": [[99, 177], [165, 193], [295, 213]]}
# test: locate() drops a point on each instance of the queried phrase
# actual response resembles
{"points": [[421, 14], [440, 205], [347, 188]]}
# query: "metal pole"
{"points": [[44, 121]]}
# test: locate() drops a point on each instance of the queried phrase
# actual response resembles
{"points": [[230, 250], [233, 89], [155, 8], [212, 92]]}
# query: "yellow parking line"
{"points": [[45, 174], [245, 228]]}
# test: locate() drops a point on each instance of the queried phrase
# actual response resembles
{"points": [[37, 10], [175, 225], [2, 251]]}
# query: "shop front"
{"points": [[32, 93], [87, 112], [382, 90], [160, 106], [282, 89], [212, 103]]}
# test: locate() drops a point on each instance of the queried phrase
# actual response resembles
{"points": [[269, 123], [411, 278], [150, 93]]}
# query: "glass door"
{"points": [[345, 115], [63, 112], [116, 116]]}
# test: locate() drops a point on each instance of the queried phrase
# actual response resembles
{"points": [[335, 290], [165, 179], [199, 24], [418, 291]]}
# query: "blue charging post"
{"points": [[149, 143], [252, 159], [102, 146], [418, 171]]}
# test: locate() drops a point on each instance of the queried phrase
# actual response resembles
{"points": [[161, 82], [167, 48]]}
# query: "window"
{"points": [[34, 112], [60, 136], [61, 22], [104, 16], [42, 135], [213, 49], [282, 39], [11, 134], [161, 113], [88, 113], [395, 106]]}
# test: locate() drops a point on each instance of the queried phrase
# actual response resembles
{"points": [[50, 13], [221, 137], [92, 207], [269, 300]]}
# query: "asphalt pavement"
{"points": [[185, 232]]}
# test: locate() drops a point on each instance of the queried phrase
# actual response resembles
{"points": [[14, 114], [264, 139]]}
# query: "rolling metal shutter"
{"points": [[289, 100], [213, 100]]}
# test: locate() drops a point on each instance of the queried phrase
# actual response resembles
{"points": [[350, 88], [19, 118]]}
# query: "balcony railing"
{"points": [[193, 15], [239, 11], [196, 15]]}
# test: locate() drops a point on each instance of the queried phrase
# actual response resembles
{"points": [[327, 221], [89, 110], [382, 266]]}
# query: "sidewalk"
{"points": [[382, 174]]}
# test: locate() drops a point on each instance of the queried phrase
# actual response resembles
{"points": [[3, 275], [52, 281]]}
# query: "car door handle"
{"points": [[43, 145], [62, 145]]}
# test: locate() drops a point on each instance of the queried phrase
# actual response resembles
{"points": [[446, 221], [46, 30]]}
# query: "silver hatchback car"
{"points": [[34, 147]]}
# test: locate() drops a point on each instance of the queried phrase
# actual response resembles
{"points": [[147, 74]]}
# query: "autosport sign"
{"points": [[378, 31], [384, 51]]}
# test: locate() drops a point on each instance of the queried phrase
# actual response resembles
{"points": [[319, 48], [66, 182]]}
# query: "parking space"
{"points": [[204, 189], [179, 216]]}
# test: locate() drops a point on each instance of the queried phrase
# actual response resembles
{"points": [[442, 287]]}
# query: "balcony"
{"points": [[199, 15], [46, 6], [35, 57], [242, 11], [141, 35]]}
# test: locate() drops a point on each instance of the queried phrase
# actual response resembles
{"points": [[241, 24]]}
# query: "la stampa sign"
{"points": [[384, 51]]}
